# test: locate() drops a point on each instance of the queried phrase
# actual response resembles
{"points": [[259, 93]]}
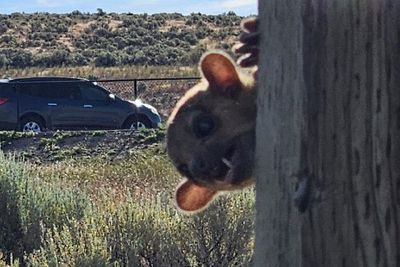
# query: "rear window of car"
{"points": [[6, 90], [52, 90]]}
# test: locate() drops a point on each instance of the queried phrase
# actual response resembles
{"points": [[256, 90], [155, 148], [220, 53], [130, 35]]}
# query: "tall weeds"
{"points": [[47, 220]]}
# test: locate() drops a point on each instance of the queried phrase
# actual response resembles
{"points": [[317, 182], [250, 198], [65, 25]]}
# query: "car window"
{"points": [[68, 90], [6, 90], [92, 92], [52, 90], [32, 89]]}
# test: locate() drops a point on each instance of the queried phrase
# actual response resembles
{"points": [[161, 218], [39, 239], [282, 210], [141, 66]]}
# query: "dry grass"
{"points": [[123, 72]]}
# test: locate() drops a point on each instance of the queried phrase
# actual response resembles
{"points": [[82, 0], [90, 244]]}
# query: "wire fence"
{"points": [[162, 93]]}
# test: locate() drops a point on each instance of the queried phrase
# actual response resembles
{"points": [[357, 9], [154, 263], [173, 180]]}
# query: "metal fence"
{"points": [[162, 93]]}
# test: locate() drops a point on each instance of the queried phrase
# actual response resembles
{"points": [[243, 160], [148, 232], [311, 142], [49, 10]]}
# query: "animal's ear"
{"points": [[220, 72], [191, 197]]}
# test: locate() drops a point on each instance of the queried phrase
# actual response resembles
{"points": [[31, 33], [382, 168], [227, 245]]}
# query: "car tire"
{"points": [[32, 124], [140, 123]]}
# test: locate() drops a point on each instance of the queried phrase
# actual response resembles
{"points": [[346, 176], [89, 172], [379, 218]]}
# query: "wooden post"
{"points": [[329, 109]]}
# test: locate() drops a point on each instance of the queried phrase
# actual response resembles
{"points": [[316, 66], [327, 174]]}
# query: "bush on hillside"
{"points": [[31, 35]]}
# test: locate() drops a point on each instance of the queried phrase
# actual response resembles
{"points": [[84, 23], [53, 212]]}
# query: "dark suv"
{"points": [[35, 104]]}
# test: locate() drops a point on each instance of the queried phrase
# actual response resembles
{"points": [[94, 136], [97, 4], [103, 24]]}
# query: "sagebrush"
{"points": [[51, 219]]}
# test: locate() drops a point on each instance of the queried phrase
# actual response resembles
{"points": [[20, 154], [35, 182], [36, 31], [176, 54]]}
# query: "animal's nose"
{"points": [[199, 168]]}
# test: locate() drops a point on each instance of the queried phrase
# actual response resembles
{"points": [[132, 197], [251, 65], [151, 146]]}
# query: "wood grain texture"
{"points": [[329, 105]]}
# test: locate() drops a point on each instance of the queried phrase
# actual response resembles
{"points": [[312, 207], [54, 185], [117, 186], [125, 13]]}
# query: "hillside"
{"points": [[111, 39]]}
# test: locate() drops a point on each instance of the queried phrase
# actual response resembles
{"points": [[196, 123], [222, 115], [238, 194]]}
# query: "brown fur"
{"points": [[210, 136], [226, 96]]}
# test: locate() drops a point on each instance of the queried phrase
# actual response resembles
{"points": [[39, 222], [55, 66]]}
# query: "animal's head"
{"points": [[210, 136]]}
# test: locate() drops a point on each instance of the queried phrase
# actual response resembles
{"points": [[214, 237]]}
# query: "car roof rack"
{"points": [[45, 79]]}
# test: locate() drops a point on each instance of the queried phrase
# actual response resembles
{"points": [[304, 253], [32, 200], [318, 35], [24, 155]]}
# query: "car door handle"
{"points": [[87, 106], [52, 104]]}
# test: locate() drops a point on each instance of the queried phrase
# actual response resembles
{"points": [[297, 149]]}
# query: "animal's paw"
{"points": [[248, 47]]}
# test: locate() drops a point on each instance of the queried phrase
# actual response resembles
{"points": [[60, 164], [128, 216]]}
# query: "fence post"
{"points": [[135, 88], [328, 102]]}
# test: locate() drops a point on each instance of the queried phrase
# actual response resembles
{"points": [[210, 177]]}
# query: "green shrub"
{"points": [[45, 40], [153, 234], [27, 202], [106, 59], [48, 221]]}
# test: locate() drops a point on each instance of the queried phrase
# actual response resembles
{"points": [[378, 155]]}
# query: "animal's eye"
{"points": [[203, 126]]}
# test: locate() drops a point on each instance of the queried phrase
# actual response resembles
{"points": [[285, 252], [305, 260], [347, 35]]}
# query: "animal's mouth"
{"points": [[227, 159], [237, 164], [229, 164]]}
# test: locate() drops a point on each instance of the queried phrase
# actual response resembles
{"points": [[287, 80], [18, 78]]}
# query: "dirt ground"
{"points": [[56, 146]]}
